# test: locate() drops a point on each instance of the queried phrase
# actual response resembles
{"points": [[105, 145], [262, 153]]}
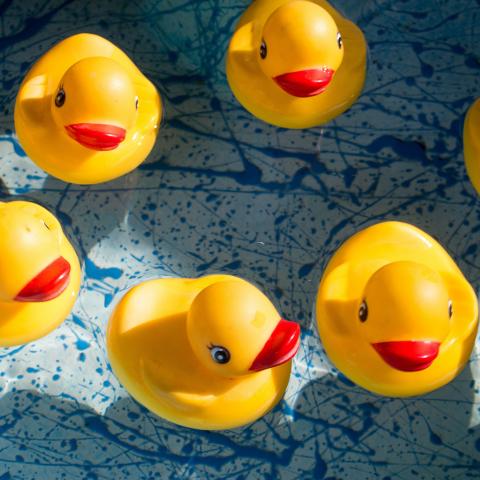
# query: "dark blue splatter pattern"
{"points": [[223, 192]]}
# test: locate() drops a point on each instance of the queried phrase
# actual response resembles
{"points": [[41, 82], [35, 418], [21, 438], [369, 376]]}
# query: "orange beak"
{"points": [[280, 347]]}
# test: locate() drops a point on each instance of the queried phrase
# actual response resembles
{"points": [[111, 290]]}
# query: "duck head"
{"points": [[235, 330], [301, 48], [95, 103], [32, 268], [405, 315]]}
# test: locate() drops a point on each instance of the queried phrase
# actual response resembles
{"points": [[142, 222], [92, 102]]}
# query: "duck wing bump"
{"points": [[32, 97], [336, 296]]}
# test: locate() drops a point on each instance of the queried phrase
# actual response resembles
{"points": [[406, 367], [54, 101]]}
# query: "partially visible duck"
{"points": [[39, 273]]}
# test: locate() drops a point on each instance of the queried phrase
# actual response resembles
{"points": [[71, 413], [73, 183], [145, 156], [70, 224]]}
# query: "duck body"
{"points": [[394, 312], [471, 141], [296, 63], [39, 274], [181, 351], [85, 113]]}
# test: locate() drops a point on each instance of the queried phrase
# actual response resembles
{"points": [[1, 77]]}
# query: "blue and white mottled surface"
{"points": [[224, 192]]}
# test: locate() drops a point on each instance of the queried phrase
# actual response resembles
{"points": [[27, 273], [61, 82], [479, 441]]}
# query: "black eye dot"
{"points": [[339, 40], [363, 312], [136, 103], [220, 354], [450, 309], [263, 50], [46, 225], [60, 98]]}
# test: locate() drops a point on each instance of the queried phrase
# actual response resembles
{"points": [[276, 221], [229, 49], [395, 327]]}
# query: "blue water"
{"points": [[224, 192]]}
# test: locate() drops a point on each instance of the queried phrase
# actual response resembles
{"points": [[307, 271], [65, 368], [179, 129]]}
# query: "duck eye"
{"points": [[136, 103], [60, 98], [339, 40], [46, 225], [263, 50], [220, 354], [363, 312], [450, 309]]}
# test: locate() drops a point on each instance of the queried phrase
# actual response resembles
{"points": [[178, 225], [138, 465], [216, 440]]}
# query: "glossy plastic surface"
{"points": [[296, 64], [164, 340], [39, 273], [394, 312], [85, 113]]}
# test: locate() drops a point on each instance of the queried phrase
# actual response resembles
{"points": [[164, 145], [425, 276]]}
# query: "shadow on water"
{"points": [[425, 437], [334, 429], [42, 433]]}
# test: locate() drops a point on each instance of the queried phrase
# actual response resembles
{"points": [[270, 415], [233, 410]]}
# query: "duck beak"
{"points": [[408, 356], [97, 136], [48, 284], [305, 83], [280, 347]]}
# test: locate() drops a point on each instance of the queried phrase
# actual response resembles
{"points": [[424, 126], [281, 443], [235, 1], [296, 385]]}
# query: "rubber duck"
{"points": [[210, 353], [394, 312], [296, 63], [85, 113], [39, 275], [471, 141]]}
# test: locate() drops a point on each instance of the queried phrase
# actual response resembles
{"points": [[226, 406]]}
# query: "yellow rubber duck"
{"points": [[296, 63], [39, 273], [209, 353], [471, 141], [85, 113], [394, 312]]}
